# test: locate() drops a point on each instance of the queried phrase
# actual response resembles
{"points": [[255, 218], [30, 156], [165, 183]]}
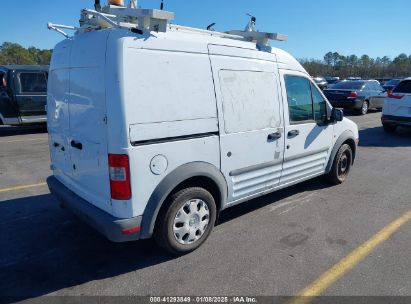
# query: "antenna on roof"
{"points": [[132, 4], [252, 35], [97, 5], [251, 25], [162, 5], [211, 27]]}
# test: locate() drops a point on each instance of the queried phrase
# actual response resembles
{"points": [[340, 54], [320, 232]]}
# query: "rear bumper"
{"points": [[111, 227], [347, 104], [396, 120]]}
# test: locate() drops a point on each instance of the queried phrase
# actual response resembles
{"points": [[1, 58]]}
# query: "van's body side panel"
{"points": [[173, 84]]}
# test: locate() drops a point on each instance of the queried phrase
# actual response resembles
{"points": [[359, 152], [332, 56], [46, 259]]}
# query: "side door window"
{"points": [[319, 105], [32, 83], [299, 97]]}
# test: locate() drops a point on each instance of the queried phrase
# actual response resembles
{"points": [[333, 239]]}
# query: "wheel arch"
{"points": [[199, 174], [346, 137]]}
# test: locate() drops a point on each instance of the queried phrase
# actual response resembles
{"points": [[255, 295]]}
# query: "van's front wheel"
{"points": [[341, 165], [187, 222]]}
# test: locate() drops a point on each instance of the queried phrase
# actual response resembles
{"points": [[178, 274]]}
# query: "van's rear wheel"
{"points": [[187, 222], [341, 165]]}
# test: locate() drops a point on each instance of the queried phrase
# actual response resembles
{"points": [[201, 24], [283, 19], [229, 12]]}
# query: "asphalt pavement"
{"points": [[275, 245]]}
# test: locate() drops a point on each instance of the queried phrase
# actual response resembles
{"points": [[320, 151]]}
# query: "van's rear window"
{"points": [[348, 85], [33, 82], [404, 87]]}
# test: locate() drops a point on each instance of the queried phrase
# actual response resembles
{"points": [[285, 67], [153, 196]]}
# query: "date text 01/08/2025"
{"points": [[238, 299]]}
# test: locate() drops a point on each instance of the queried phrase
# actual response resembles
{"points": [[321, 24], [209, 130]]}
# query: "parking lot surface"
{"points": [[275, 245]]}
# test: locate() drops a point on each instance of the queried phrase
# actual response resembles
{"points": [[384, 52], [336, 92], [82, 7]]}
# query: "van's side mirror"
{"points": [[336, 115]]}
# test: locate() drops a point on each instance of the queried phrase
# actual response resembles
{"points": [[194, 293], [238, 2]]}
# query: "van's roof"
{"points": [[201, 41], [26, 67]]}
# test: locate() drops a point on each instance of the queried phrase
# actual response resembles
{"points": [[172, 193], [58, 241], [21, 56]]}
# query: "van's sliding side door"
{"points": [[250, 120]]}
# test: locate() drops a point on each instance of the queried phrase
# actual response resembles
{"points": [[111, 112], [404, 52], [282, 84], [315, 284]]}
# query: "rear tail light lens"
{"points": [[395, 96], [352, 95], [119, 168]]}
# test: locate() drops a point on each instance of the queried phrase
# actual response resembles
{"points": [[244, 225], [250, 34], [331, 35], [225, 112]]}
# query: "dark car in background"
{"points": [[23, 94], [359, 95], [391, 84], [332, 80], [321, 82]]}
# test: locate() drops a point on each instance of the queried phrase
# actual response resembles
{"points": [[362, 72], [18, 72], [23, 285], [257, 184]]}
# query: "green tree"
{"points": [[13, 53], [344, 66], [328, 58]]}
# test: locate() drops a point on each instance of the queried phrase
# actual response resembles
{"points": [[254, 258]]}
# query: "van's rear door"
{"points": [[58, 96], [87, 120]]}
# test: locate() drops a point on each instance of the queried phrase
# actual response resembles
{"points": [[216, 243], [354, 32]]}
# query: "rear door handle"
{"points": [[274, 136], [77, 145], [293, 133]]}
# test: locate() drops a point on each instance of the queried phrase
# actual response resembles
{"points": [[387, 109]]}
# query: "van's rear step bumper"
{"points": [[113, 228]]}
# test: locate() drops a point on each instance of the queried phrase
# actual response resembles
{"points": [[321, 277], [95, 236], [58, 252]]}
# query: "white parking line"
{"points": [[301, 199]]}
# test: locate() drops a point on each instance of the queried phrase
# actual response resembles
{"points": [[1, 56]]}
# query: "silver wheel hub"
{"points": [[191, 221]]}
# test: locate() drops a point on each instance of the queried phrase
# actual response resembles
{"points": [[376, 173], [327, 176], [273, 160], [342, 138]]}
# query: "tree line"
{"points": [[335, 64], [14, 53]]}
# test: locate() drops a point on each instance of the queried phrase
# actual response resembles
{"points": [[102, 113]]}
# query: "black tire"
{"points": [[389, 128], [364, 107], [164, 230], [341, 165]]}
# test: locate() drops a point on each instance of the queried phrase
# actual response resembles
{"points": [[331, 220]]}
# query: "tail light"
{"points": [[352, 95], [119, 167], [395, 96]]}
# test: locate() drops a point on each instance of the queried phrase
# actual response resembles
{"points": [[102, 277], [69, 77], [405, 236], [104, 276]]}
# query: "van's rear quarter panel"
{"points": [[178, 153], [157, 89], [162, 85]]}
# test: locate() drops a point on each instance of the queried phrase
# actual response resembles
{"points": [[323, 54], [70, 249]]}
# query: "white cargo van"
{"points": [[154, 129]]}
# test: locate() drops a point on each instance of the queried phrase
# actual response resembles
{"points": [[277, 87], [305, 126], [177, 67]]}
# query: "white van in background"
{"points": [[154, 129]]}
